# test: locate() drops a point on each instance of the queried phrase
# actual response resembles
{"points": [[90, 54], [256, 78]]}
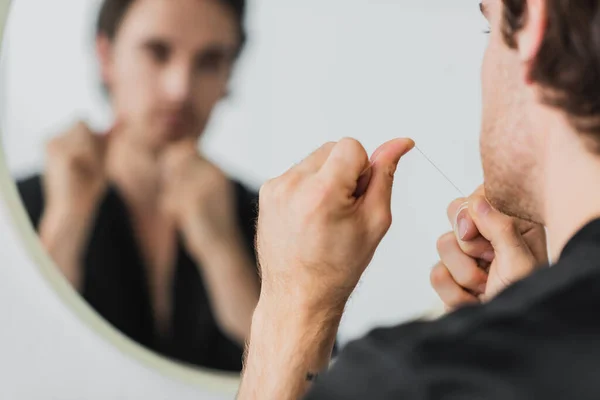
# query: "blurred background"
{"points": [[313, 71]]}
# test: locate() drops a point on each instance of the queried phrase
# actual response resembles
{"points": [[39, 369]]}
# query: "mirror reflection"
{"points": [[155, 237]]}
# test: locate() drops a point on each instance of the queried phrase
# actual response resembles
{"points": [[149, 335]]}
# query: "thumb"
{"points": [[499, 229], [384, 163]]}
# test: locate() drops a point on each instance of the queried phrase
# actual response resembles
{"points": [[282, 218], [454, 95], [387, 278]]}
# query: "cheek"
{"points": [[487, 91], [491, 106], [489, 73], [208, 91], [133, 87]]}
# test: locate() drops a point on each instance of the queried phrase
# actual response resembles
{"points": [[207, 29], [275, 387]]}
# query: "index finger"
{"points": [[316, 159], [346, 163]]}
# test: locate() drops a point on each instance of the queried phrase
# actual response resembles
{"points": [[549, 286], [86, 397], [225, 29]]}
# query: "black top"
{"points": [[539, 339], [115, 283]]}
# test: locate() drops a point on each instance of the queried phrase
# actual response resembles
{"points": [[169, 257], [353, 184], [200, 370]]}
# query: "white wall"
{"points": [[314, 71]]}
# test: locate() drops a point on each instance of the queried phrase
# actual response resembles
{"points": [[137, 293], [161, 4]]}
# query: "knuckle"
{"points": [[80, 128], [354, 146], [321, 192], [469, 277], [288, 182], [265, 190], [439, 276], [329, 145], [445, 241], [278, 189], [458, 299], [476, 196], [471, 249], [509, 233], [391, 172], [454, 206], [351, 142], [383, 219], [508, 226]]}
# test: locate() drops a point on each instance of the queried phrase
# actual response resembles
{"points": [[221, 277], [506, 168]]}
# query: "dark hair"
{"points": [[112, 13], [568, 62]]}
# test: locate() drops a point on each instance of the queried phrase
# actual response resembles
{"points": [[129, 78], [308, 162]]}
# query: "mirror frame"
{"points": [[217, 382]]}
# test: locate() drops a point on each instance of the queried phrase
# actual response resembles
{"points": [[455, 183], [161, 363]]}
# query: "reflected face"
{"points": [[168, 66], [508, 144]]}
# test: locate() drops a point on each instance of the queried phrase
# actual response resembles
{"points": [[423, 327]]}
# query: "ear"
{"points": [[531, 36], [104, 55]]}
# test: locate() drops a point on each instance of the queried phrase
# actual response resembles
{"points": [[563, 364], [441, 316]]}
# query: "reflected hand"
{"points": [[75, 177], [315, 237], [198, 195], [74, 182], [486, 252]]}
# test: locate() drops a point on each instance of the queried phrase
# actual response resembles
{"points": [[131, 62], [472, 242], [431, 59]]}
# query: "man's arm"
{"points": [[64, 234], [288, 350], [232, 284]]}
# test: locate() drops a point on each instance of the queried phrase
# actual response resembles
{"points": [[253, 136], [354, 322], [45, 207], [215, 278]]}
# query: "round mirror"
{"points": [[172, 282]]}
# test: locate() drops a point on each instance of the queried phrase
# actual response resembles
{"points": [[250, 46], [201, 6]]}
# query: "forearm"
{"points": [[286, 348], [232, 284], [64, 235]]}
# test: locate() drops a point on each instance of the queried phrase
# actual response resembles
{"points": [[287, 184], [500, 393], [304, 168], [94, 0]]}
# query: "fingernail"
{"points": [[463, 227], [488, 256], [460, 224], [482, 207]]}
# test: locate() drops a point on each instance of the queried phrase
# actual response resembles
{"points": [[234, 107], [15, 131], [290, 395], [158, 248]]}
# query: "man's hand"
{"points": [[75, 176], [319, 226], [198, 196], [74, 183], [315, 237], [486, 252], [201, 200]]}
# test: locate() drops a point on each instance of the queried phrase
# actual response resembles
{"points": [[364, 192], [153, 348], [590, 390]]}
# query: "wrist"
{"points": [[297, 313], [82, 207], [60, 220], [319, 296], [289, 343]]}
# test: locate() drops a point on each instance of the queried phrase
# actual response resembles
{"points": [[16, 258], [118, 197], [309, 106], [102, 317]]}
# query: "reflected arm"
{"points": [[64, 235], [232, 283]]}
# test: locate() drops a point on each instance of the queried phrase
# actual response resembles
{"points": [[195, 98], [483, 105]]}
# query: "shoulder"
{"points": [[32, 195], [508, 348], [30, 186]]}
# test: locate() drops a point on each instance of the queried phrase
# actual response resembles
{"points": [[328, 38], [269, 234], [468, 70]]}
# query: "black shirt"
{"points": [[539, 339], [115, 283]]}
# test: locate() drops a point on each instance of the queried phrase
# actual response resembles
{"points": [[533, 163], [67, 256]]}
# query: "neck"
{"points": [[572, 194], [135, 172]]}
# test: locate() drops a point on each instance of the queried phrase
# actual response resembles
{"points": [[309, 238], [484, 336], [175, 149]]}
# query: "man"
{"points": [[155, 237], [539, 338]]}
